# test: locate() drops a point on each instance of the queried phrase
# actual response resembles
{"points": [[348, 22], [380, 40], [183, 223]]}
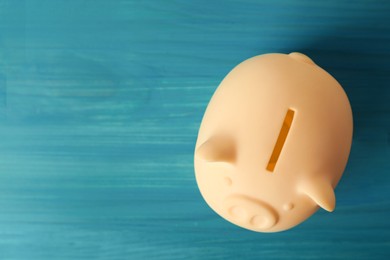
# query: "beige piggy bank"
{"points": [[273, 143]]}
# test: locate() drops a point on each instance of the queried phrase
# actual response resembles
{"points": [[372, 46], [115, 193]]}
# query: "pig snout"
{"points": [[242, 209]]}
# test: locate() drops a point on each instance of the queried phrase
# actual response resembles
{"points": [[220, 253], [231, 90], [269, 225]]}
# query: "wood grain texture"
{"points": [[100, 103]]}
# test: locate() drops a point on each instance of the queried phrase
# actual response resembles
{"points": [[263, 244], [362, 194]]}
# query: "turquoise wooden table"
{"points": [[100, 103]]}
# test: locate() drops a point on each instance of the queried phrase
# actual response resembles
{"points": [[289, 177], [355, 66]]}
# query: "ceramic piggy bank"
{"points": [[273, 143]]}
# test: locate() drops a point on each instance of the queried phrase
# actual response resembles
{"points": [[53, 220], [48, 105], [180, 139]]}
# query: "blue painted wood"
{"points": [[100, 102]]}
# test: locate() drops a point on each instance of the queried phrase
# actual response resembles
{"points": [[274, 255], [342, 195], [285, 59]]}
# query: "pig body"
{"points": [[273, 143]]}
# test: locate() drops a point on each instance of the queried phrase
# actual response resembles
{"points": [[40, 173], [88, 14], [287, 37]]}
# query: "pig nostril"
{"points": [[261, 222], [250, 212], [238, 213]]}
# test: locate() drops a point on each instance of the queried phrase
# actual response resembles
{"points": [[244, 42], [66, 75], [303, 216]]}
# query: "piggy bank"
{"points": [[273, 143]]}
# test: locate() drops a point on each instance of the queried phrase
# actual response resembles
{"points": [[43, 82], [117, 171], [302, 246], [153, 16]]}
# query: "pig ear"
{"points": [[217, 149], [321, 192]]}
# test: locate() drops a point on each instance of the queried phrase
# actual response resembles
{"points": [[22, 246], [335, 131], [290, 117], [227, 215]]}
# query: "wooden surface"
{"points": [[100, 103]]}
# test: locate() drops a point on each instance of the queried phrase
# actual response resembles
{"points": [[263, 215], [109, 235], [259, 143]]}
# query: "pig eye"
{"points": [[281, 139]]}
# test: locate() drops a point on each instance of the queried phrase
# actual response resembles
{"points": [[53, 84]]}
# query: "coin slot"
{"points": [[281, 140]]}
